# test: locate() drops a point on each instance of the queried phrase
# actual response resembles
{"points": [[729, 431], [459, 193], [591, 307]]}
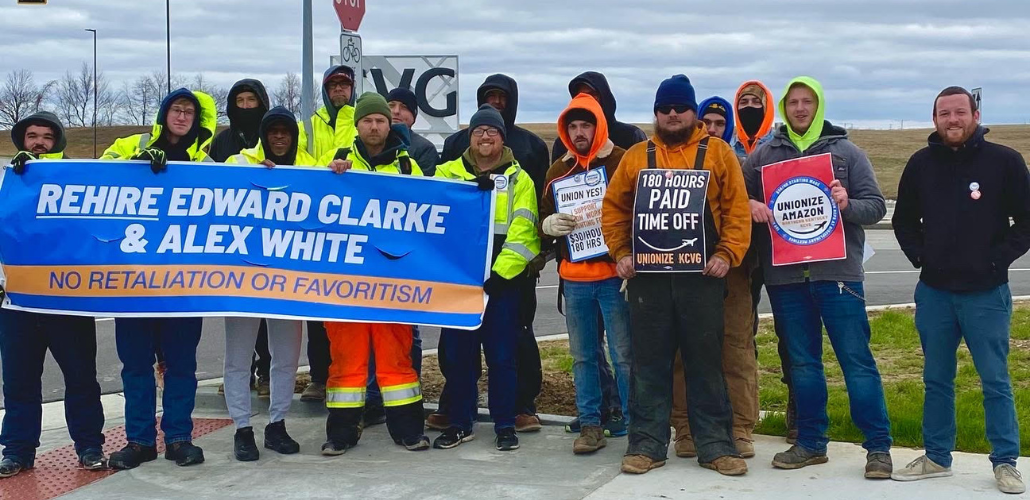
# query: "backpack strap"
{"points": [[651, 161], [405, 164], [702, 150]]}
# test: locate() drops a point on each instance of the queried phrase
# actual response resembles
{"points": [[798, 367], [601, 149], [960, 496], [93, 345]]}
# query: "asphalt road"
{"points": [[890, 279]]}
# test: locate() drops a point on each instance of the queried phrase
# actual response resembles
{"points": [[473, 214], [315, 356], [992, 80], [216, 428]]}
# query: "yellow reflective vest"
{"points": [[516, 241], [256, 155], [359, 162], [328, 138], [127, 147]]}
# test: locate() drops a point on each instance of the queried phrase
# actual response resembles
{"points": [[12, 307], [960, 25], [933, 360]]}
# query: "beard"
{"points": [[967, 132], [673, 137]]}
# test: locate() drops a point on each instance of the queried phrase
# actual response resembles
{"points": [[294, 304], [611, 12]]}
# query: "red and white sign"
{"points": [[350, 13], [806, 225]]}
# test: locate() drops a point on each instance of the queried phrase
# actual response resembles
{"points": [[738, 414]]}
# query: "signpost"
{"points": [[350, 13], [350, 55], [978, 97]]}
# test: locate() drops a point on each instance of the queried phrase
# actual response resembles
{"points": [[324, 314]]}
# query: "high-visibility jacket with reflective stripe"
{"points": [[359, 162], [256, 155], [127, 147], [328, 138], [516, 241]]}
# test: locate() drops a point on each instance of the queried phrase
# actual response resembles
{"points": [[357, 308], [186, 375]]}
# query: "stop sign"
{"points": [[350, 13]]}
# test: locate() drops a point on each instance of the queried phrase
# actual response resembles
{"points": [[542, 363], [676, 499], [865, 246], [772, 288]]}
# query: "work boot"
{"points": [[278, 440], [243, 446], [878, 465], [685, 447], [185, 453], [416, 443], [335, 448], [640, 464], [506, 440], [131, 456], [616, 425], [264, 390], [591, 438], [797, 457], [745, 447], [921, 468], [727, 466], [527, 423], [93, 459], [1009, 480], [315, 391], [11, 467], [453, 437], [438, 421]]}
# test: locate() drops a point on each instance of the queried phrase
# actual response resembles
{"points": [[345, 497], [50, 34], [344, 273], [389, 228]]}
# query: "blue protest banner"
{"points": [[200, 239]]}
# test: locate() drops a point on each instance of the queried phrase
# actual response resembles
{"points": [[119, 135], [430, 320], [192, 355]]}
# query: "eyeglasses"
{"points": [[669, 108], [488, 131], [338, 83], [184, 112]]}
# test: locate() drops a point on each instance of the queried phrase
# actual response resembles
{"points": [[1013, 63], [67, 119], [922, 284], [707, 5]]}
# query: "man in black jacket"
{"points": [[955, 200], [622, 134], [246, 105]]}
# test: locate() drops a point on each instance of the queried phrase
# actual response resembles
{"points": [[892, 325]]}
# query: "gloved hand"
{"points": [[485, 183], [559, 224], [158, 161], [495, 284], [18, 162]]}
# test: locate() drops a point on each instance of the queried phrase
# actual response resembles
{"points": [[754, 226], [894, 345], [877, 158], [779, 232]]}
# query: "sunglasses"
{"points": [[669, 108]]}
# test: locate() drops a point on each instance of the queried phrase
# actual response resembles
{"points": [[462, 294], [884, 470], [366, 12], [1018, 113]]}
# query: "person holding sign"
{"points": [[493, 166], [696, 200], [570, 210], [955, 200], [25, 338], [817, 292], [177, 136], [378, 148]]}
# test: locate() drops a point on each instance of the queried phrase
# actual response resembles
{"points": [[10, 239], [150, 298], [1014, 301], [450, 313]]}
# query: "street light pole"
{"points": [[168, 41], [95, 90]]}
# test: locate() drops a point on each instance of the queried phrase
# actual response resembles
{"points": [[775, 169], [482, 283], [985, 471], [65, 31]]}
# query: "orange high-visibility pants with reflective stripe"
{"points": [[351, 344]]}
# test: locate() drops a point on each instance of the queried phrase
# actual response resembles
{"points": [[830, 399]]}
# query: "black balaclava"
{"points": [[751, 119]]}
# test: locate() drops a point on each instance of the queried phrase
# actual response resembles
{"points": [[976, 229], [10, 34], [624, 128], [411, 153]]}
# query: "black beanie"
{"points": [[715, 107], [405, 97], [579, 114], [489, 116]]}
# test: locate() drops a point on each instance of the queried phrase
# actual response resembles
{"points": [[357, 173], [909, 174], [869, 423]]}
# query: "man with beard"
{"points": [[955, 200], [246, 105], [805, 297], [682, 312]]}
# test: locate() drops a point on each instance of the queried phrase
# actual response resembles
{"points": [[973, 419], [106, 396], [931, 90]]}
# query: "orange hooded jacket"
{"points": [[603, 153], [750, 143], [727, 194]]}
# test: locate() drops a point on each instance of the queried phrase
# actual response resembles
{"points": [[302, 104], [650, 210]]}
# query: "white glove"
{"points": [[559, 224]]}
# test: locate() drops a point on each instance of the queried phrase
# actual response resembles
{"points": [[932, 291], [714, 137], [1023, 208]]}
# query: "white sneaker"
{"points": [[922, 468], [1009, 479]]}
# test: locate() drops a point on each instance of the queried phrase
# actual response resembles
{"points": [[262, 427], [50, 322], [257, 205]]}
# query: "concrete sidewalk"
{"points": [[544, 468]]}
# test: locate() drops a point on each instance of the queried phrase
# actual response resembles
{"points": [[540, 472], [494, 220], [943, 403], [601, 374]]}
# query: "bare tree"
{"points": [[75, 93], [137, 100], [288, 93], [20, 96], [220, 94]]}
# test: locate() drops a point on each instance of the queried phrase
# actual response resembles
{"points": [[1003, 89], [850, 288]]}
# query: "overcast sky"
{"points": [[881, 61]]}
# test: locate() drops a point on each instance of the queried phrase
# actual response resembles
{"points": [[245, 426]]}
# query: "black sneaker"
{"points": [[185, 453], [417, 443], [452, 437], [506, 440], [243, 446], [11, 467], [616, 425], [373, 415], [332, 448], [278, 440], [131, 456], [93, 459]]}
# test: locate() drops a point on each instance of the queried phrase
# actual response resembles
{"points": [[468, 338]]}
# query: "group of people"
{"points": [[682, 345]]}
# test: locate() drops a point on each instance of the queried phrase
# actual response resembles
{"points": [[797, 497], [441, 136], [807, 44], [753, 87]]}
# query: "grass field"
{"points": [[888, 150], [895, 345]]}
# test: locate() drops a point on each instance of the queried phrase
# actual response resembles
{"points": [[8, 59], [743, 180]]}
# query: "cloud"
{"points": [[881, 61]]}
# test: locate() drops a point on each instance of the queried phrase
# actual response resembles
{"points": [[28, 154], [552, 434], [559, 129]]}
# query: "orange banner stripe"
{"points": [[243, 282]]}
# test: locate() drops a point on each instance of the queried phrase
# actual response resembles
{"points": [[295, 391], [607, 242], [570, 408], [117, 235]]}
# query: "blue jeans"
{"points": [[137, 340], [72, 340], [499, 337], [803, 309], [583, 301], [373, 396], [981, 318]]}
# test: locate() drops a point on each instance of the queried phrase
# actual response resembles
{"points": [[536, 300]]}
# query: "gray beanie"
{"points": [[487, 115]]}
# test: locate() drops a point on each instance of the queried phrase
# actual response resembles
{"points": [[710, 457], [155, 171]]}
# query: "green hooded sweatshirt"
{"points": [[805, 141]]}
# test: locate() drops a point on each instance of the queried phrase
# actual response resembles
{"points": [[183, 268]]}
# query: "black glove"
{"points": [[18, 162], [156, 157], [485, 183], [495, 284]]}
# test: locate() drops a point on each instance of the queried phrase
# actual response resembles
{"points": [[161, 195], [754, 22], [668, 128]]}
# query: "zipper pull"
{"points": [[840, 288]]}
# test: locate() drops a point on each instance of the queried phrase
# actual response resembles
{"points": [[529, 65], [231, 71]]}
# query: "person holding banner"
{"points": [[492, 165], [277, 145], [955, 200], [694, 210], [822, 191], [571, 213], [25, 338], [378, 148], [739, 359], [177, 135]]}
